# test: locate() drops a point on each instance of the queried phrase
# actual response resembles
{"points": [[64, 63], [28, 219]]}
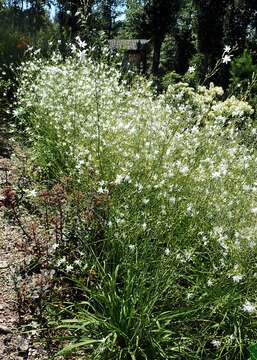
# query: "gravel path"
{"points": [[14, 345], [10, 340]]}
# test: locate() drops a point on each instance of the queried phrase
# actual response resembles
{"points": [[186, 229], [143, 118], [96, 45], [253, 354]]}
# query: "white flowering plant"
{"points": [[169, 187]]}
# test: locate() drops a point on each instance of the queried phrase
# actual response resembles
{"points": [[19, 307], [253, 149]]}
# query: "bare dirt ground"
{"points": [[14, 343], [9, 334]]}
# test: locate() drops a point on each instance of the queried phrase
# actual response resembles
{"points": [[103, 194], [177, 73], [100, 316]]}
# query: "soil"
{"points": [[14, 343]]}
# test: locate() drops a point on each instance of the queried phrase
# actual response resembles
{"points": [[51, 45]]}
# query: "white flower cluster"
{"points": [[175, 166]]}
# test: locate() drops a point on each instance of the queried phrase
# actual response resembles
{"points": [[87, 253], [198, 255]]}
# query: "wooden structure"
{"points": [[135, 52]]}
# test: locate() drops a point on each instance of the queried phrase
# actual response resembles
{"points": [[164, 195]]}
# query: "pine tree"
{"points": [[161, 17]]}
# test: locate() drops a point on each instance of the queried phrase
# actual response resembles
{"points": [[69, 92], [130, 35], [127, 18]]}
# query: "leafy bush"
{"points": [[243, 75], [165, 266], [242, 67], [170, 78], [19, 30]]}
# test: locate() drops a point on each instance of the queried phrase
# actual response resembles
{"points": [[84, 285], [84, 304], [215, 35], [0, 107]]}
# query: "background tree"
{"points": [[84, 16], [21, 26], [241, 28], [179, 29], [184, 37], [134, 19], [210, 31], [160, 17], [107, 11], [73, 16]]}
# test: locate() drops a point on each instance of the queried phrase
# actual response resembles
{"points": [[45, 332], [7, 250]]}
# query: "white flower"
{"points": [[145, 201], [254, 211], [55, 246], [69, 268], [231, 337], [189, 295], [127, 178], [216, 343], [16, 112], [144, 226], [172, 200], [61, 261], [102, 190], [237, 112], [183, 169], [216, 174], [237, 278], [139, 187], [32, 193], [119, 179], [227, 49], [189, 208], [249, 307], [226, 59], [209, 282], [81, 44], [167, 251], [82, 55], [132, 247], [191, 69]]}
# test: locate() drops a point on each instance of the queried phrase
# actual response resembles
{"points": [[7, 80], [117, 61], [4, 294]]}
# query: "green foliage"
{"points": [[243, 81], [126, 318], [242, 71], [18, 31], [5, 87], [168, 53], [242, 68], [106, 13], [169, 79], [160, 249], [134, 24], [10, 39]]}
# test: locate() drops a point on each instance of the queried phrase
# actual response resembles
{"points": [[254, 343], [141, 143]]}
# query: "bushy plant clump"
{"points": [[168, 186]]}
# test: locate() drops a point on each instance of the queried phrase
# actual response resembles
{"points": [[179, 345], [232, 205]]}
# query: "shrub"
{"points": [[166, 267], [170, 78], [243, 77], [242, 68]]}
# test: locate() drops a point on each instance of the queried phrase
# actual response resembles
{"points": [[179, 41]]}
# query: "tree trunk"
{"points": [[157, 44], [107, 17], [210, 34]]}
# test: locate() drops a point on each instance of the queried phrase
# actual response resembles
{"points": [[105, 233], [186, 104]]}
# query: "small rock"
{"points": [[4, 329], [22, 343], [7, 339], [3, 264]]}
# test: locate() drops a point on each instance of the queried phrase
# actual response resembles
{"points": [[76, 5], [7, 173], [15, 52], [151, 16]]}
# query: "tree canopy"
{"points": [[182, 32]]}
